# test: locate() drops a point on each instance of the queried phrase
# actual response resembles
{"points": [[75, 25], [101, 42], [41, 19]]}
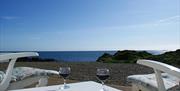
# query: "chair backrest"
{"points": [[12, 57], [158, 67]]}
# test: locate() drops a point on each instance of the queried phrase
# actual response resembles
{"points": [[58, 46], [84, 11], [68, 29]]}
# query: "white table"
{"points": [[80, 86]]}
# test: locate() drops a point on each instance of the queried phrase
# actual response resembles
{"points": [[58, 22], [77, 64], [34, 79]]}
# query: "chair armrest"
{"points": [[6, 56], [160, 66]]}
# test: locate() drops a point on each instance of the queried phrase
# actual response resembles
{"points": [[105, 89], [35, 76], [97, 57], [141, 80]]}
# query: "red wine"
{"points": [[102, 77], [64, 75]]}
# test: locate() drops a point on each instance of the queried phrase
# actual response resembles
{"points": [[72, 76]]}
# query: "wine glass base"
{"points": [[103, 89], [65, 87]]}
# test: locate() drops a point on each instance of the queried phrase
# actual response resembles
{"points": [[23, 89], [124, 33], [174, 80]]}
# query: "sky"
{"points": [[89, 25]]}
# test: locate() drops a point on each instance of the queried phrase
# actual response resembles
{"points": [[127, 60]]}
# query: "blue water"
{"points": [[80, 56]]}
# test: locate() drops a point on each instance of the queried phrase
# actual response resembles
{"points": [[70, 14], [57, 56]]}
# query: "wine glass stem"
{"points": [[64, 82], [102, 85]]}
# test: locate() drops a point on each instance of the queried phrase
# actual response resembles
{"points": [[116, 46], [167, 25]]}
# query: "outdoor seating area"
{"points": [[156, 82], [89, 45], [20, 77], [16, 79]]}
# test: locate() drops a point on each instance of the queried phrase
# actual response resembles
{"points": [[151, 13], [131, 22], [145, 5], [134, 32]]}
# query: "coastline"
{"points": [[77, 56]]}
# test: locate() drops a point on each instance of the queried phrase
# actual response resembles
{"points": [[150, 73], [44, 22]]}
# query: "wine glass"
{"points": [[102, 74], [64, 72]]}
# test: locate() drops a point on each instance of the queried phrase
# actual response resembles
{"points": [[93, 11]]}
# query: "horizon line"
{"points": [[88, 50]]}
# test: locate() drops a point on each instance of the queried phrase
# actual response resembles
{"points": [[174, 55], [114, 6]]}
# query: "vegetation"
{"points": [[35, 59], [130, 56]]}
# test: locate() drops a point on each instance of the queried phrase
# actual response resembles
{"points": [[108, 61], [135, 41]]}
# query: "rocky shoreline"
{"points": [[87, 71]]}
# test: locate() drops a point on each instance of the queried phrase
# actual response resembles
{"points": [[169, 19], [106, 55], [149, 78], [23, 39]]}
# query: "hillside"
{"points": [[130, 56]]}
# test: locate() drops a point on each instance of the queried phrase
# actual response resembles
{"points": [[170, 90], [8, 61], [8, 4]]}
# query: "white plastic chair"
{"points": [[7, 84], [158, 81]]}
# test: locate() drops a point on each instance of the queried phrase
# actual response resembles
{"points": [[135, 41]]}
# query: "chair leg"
{"points": [[42, 82]]}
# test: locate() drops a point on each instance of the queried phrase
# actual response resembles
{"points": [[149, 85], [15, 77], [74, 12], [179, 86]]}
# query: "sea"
{"points": [[78, 56]]}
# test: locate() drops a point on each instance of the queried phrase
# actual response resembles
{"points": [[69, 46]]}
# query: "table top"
{"points": [[80, 86]]}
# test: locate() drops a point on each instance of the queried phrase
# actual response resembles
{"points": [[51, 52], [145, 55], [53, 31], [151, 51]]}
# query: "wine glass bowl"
{"points": [[103, 75], [64, 72]]}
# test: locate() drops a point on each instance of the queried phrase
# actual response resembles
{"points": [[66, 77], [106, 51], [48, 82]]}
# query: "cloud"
{"points": [[8, 17], [170, 19], [164, 21]]}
